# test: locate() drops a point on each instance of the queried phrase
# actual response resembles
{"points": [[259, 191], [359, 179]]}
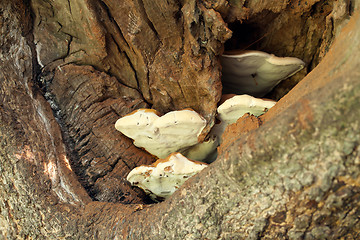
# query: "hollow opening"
{"points": [[249, 34], [302, 31]]}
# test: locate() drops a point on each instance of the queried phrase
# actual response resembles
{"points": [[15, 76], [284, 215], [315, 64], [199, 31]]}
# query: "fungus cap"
{"points": [[161, 179], [160, 136], [137, 123], [235, 107], [182, 122], [255, 72]]}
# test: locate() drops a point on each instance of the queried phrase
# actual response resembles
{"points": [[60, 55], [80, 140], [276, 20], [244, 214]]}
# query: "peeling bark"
{"points": [[292, 174]]}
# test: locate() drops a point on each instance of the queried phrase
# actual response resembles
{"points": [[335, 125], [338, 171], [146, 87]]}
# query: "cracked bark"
{"points": [[293, 174]]}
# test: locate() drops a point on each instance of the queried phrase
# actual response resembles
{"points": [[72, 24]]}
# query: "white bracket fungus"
{"points": [[256, 73], [160, 136], [161, 179], [235, 107], [228, 112]]}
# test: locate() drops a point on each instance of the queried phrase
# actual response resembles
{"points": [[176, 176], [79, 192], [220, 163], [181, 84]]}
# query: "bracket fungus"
{"points": [[161, 179], [235, 107], [161, 136], [228, 112], [255, 72]]}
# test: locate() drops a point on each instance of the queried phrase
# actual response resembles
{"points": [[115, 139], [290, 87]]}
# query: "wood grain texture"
{"points": [[294, 174]]}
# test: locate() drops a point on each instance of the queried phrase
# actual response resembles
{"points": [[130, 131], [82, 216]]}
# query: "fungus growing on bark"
{"points": [[138, 125], [229, 112], [161, 179], [160, 136], [235, 107], [204, 151], [254, 72]]}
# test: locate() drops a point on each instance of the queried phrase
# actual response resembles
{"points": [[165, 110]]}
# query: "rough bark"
{"points": [[166, 60], [171, 64], [131, 41], [294, 173]]}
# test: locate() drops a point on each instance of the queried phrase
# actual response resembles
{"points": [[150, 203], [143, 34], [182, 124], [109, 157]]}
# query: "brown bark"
{"points": [[165, 64], [292, 174]]}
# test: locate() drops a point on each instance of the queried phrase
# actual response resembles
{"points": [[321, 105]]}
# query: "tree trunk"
{"points": [[69, 69]]}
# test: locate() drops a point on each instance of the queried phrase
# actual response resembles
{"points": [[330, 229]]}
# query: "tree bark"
{"points": [[71, 68]]}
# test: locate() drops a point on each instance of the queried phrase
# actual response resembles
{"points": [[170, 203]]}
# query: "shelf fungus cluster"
{"points": [[161, 179], [173, 137]]}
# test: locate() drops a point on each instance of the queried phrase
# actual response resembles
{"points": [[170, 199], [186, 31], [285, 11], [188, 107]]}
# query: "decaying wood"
{"points": [[172, 64], [292, 174], [130, 41]]}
